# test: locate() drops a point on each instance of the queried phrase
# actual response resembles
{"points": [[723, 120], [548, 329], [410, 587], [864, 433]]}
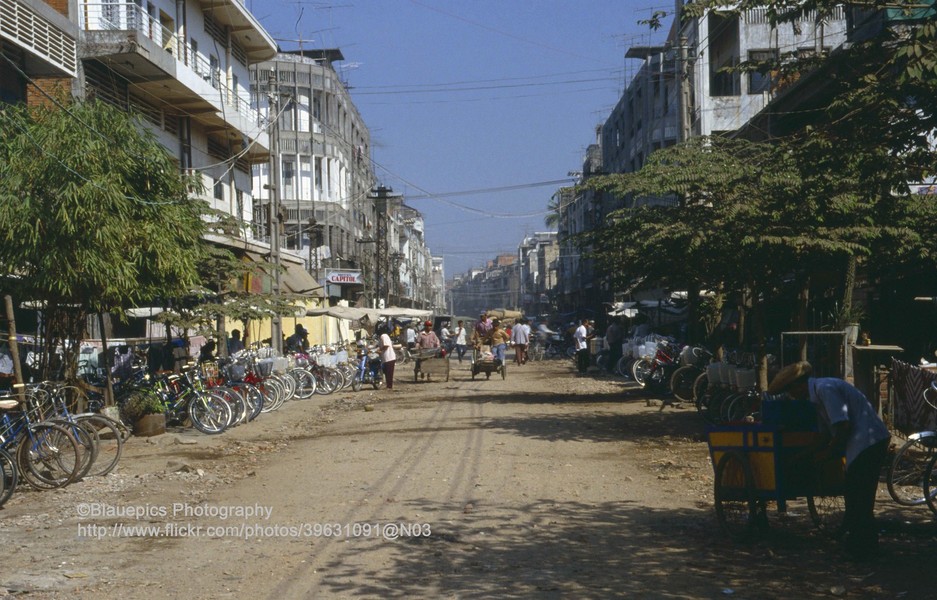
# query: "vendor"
{"points": [[851, 427], [427, 338]]}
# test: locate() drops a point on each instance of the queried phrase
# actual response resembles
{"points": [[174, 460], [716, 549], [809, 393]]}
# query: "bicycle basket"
{"points": [[265, 367], [235, 372]]}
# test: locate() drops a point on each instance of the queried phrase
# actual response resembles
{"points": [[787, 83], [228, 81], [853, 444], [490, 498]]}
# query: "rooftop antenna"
{"points": [[299, 34]]}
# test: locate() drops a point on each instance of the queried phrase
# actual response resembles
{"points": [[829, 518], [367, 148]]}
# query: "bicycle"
{"points": [[909, 472], [47, 455]]}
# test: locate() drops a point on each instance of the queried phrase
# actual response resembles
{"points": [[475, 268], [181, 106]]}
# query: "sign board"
{"points": [[345, 277]]}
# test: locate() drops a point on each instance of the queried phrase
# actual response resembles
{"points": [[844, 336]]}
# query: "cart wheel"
{"points": [[827, 514], [735, 496], [504, 371]]}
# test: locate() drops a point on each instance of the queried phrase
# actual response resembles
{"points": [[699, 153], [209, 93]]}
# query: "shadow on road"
{"points": [[549, 549]]}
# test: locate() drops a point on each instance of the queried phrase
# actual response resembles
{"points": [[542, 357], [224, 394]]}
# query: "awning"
{"points": [[349, 313], [401, 312], [298, 281], [353, 313]]}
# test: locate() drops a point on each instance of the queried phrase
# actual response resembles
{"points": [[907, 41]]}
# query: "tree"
{"points": [[753, 217], [95, 216]]}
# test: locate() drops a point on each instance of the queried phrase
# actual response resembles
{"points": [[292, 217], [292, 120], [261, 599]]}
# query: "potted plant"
{"points": [[145, 411], [847, 318]]}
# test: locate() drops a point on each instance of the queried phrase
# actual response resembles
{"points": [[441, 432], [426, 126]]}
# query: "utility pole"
{"points": [[276, 325], [381, 196]]}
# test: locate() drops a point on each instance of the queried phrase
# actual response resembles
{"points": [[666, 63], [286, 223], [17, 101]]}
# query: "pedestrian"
{"points": [[460, 341], [520, 338], [850, 426], [427, 340], [299, 341], [614, 336], [235, 344], [207, 352], [411, 336], [498, 338], [388, 357], [445, 336], [581, 338]]}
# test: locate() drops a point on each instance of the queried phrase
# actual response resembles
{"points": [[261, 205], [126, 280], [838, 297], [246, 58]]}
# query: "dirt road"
{"points": [[541, 485]]}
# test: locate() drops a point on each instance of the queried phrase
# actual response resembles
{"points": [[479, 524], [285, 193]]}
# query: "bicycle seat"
{"points": [[9, 404]]}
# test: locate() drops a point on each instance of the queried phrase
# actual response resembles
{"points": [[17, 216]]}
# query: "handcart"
{"points": [[428, 363], [484, 362], [757, 463]]}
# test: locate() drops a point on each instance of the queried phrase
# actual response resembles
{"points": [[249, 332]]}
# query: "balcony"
{"points": [[48, 38], [154, 59]]}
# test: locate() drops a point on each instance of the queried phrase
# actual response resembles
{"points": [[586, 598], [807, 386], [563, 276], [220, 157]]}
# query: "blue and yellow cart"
{"points": [[758, 463]]}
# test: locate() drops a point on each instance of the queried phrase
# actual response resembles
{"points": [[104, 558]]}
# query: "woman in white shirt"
{"points": [[388, 358]]}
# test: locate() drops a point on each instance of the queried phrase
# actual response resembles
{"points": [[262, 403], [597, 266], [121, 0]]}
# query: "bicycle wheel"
{"points": [[734, 495], [8, 476], [827, 514], [208, 413], [907, 470], [930, 485], [700, 386], [640, 370], [110, 443], [48, 457], [624, 366], [377, 379], [681, 383], [87, 438], [305, 383]]}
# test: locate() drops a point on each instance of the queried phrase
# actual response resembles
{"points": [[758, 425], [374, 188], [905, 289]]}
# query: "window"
{"points": [[288, 178], [219, 190], [762, 75]]}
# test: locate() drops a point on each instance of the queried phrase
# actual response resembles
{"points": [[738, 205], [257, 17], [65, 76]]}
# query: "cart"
{"points": [[757, 463], [482, 364], [428, 363]]}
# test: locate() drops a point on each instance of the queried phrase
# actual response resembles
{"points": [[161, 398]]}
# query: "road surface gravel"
{"points": [[539, 485]]}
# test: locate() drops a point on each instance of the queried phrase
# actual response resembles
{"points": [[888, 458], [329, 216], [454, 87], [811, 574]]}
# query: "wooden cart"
{"points": [[762, 462], [486, 365], [428, 364]]}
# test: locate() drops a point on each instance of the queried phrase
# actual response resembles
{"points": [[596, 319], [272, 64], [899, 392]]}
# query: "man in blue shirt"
{"points": [[853, 429]]}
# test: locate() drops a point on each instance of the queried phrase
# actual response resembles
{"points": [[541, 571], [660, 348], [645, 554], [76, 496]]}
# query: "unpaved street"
{"points": [[541, 485]]}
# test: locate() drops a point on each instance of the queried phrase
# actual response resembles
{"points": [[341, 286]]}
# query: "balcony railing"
{"points": [[127, 16]]}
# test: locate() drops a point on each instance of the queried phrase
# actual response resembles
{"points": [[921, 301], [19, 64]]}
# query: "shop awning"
{"points": [[298, 281]]}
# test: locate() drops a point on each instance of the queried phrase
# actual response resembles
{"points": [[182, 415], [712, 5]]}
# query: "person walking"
{"points": [[581, 339], [520, 338], [445, 337], [388, 357], [850, 426], [427, 340], [410, 336], [460, 340]]}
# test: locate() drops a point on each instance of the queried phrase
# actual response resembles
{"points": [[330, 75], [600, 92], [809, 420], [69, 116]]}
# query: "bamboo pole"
{"points": [[18, 382]]}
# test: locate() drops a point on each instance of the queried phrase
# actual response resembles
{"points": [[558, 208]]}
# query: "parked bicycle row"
{"points": [[46, 444]]}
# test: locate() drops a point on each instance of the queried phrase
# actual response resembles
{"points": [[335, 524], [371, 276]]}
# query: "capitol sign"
{"points": [[345, 277]]}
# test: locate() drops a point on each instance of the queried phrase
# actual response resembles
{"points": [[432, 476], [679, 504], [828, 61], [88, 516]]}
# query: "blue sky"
{"points": [[468, 95]]}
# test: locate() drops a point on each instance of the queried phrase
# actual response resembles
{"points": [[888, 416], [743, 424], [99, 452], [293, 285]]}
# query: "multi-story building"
{"points": [[685, 87], [38, 49], [323, 176], [498, 285], [183, 66], [538, 256]]}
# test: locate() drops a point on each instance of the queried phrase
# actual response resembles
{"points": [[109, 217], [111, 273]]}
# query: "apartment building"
{"points": [[322, 174], [38, 44], [685, 87]]}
